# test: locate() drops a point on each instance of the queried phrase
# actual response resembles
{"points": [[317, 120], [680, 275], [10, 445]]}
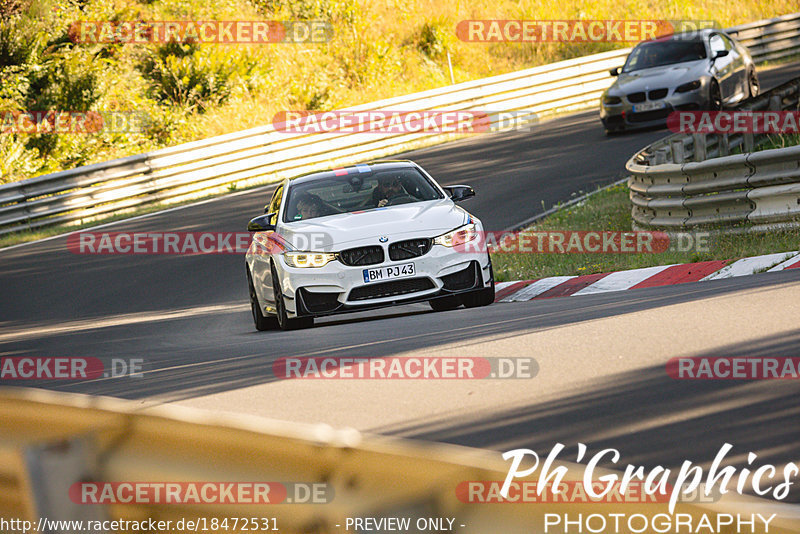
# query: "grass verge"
{"points": [[610, 210]]}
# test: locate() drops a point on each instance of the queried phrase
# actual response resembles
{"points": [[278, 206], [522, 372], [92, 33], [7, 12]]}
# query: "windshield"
{"points": [[357, 192], [658, 53]]}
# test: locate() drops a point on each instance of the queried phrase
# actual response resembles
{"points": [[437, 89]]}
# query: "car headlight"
{"points": [[612, 100], [691, 86], [308, 259], [456, 237]]}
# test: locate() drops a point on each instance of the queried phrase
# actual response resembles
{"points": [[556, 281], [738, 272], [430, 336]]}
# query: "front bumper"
{"points": [[623, 117], [338, 288]]}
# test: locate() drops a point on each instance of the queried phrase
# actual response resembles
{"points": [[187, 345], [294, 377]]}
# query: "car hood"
{"points": [[346, 230], [667, 76]]}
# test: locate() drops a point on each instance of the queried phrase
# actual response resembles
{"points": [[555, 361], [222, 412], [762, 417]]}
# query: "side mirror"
{"points": [[614, 71], [262, 223], [459, 192], [721, 53]]}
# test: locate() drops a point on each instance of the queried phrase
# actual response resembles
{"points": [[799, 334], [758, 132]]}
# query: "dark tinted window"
{"points": [[356, 192], [658, 53]]}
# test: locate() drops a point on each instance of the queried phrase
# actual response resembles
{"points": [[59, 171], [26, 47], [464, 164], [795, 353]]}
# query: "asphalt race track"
{"points": [[601, 358]]}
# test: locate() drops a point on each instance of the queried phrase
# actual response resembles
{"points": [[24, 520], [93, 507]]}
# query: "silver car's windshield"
{"points": [[355, 192], [659, 53]]}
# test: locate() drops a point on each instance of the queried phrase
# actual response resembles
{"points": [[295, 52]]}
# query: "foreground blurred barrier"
{"points": [[263, 155], [50, 442], [689, 180]]}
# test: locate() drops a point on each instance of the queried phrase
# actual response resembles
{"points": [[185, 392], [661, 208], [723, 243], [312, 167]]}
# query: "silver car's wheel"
{"points": [[752, 83], [714, 97]]}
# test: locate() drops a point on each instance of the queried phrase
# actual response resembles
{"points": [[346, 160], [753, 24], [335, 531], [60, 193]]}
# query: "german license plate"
{"points": [[648, 106], [382, 274]]}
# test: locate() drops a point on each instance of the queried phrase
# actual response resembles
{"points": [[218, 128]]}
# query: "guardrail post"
{"points": [[749, 142], [699, 146], [52, 469], [724, 145], [677, 151]]}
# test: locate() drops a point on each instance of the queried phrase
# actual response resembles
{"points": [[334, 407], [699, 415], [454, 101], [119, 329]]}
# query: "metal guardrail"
{"points": [[263, 155], [51, 441], [685, 181], [768, 40]]}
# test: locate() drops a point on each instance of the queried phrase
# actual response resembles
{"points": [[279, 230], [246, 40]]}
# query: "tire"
{"points": [[261, 321], [284, 322], [445, 303], [714, 97], [753, 87], [480, 297]]}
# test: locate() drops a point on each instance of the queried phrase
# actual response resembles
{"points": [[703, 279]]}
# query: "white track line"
{"points": [[536, 288], [621, 280], [499, 286], [785, 264], [747, 266]]}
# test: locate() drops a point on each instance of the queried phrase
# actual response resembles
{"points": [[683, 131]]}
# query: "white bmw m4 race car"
{"points": [[363, 237]]}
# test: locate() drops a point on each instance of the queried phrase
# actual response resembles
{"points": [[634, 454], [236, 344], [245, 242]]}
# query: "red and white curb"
{"points": [[663, 275]]}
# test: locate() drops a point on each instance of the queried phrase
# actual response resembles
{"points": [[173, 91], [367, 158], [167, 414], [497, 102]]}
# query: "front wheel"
{"points": [[284, 322], [261, 321]]}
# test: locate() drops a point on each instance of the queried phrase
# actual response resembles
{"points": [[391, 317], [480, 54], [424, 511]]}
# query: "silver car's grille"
{"points": [[657, 94], [636, 97]]}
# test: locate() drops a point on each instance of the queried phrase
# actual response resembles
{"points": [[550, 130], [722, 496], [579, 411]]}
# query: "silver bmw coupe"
{"points": [[703, 70]]}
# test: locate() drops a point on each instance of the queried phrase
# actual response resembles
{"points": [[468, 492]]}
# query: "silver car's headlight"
{"points": [[691, 86], [456, 237], [612, 100], [308, 259]]}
